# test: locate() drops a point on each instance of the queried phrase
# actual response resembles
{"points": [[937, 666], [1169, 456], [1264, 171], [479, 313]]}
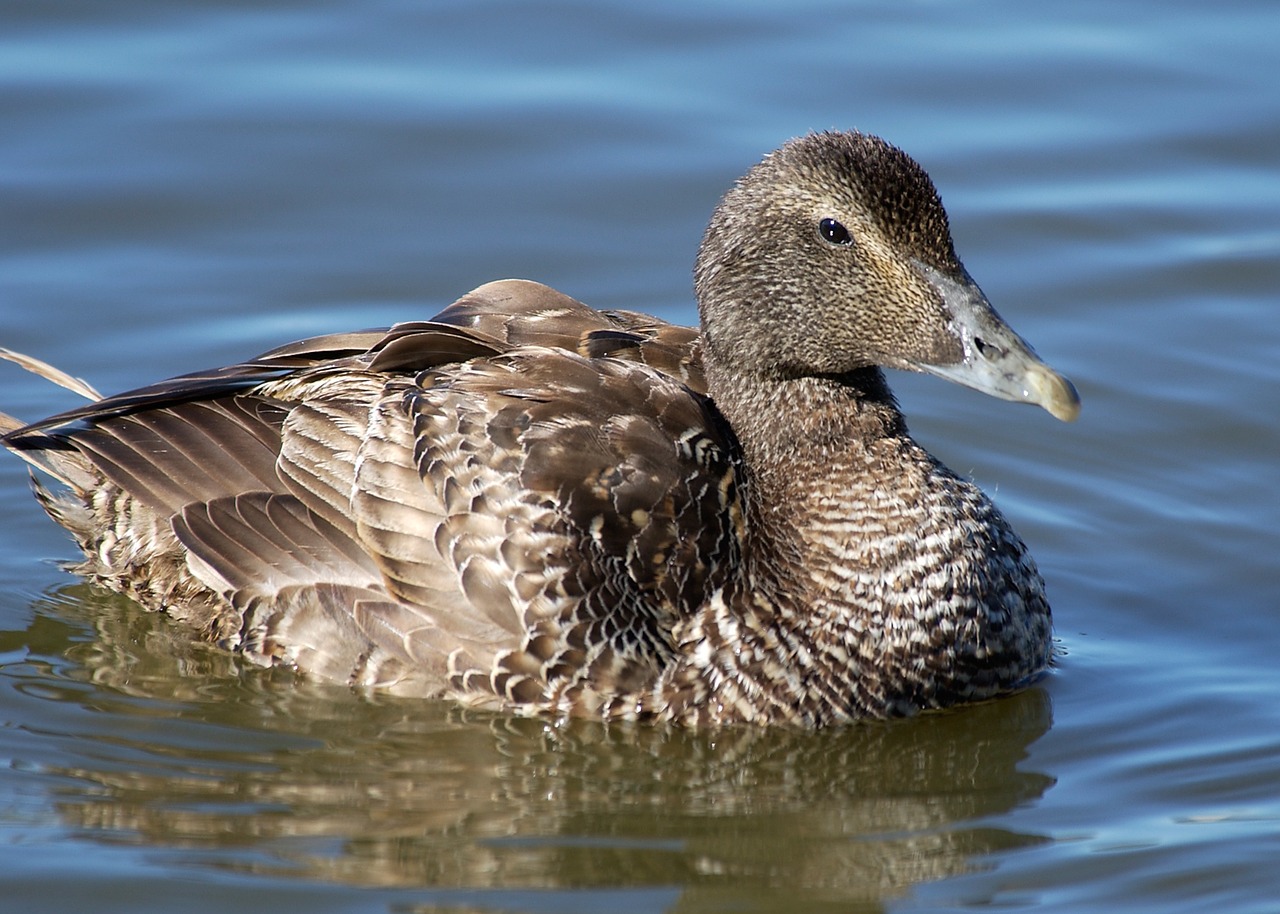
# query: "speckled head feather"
{"points": [[888, 185], [781, 299], [533, 506]]}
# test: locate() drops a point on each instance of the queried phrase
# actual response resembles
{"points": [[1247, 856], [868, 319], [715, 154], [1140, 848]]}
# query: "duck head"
{"points": [[834, 255]]}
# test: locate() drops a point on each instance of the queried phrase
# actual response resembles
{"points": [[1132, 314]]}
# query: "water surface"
{"points": [[185, 186]]}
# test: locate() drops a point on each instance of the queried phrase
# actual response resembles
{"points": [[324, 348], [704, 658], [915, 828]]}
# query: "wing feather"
{"points": [[515, 501]]}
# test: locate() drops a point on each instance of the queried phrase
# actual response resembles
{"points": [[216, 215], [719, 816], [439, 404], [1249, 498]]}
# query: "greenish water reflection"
{"points": [[176, 745]]}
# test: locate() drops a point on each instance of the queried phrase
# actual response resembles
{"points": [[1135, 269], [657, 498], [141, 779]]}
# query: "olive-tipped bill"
{"points": [[995, 359]]}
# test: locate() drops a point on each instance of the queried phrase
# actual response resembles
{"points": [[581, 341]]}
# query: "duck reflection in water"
{"points": [[261, 771]]}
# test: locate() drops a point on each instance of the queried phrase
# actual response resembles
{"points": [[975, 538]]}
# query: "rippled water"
{"points": [[183, 186]]}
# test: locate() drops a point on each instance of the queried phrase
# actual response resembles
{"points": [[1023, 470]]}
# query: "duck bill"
{"points": [[996, 360]]}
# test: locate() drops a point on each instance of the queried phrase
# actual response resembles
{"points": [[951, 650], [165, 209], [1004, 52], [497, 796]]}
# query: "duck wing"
{"points": [[512, 503], [540, 516]]}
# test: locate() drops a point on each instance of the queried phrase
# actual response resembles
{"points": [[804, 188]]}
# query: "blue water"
{"points": [[182, 186]]}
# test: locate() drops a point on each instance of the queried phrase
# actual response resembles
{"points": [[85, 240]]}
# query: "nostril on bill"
{"points": [[988, 350]]}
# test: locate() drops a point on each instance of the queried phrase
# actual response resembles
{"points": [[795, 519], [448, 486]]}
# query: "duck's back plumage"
{"points": [[333, 503], [528, 504]]}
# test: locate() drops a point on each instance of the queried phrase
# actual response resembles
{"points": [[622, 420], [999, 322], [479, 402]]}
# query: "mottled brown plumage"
{"points": [[531, 505]]}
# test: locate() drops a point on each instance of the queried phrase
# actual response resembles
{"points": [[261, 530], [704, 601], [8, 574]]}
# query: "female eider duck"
{"points": [[529, 505]]}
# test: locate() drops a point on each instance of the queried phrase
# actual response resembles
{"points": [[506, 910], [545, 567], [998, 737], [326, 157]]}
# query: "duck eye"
{"points": [[834, 232]]}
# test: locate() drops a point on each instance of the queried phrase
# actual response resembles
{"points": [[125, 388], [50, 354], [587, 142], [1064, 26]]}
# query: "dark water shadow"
{"points": [[146, 739]]}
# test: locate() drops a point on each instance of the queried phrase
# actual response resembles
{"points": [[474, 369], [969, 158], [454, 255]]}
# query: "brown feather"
{"points": [[528, 504]]}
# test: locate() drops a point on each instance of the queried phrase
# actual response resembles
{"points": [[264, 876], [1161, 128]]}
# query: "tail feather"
{"points": [[68, 466], [47, 371], [9, 424]]}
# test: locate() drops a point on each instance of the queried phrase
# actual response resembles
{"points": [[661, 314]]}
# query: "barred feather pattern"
{"points": [[911, 603]]}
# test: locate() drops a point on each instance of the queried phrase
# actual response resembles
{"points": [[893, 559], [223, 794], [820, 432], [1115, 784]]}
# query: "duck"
{"points": [[534, 507]]}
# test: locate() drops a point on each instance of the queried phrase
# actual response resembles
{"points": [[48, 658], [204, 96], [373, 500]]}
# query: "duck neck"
{"points": [[818, 455], [798, 437], [794, 420]]}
